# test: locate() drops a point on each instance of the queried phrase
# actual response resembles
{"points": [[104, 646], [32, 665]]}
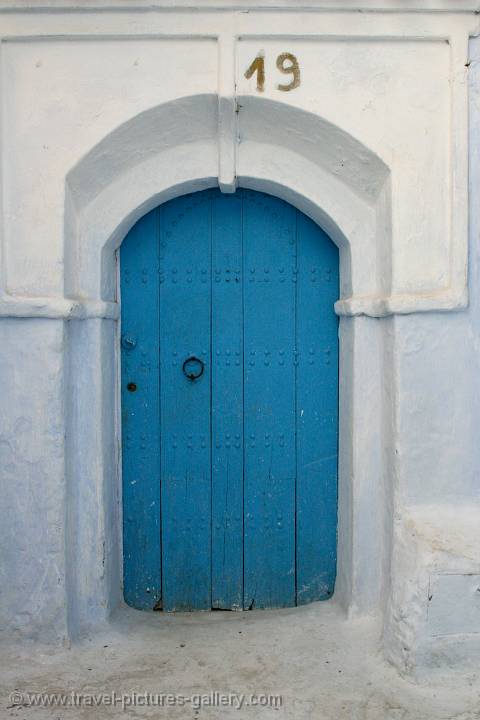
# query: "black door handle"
{"points": [[193, 368]]}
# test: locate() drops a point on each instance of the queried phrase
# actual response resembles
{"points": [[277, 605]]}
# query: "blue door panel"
{"points": [[227, 402], [269, 386], [230, 428], [140, 415], [185, 287], [317, 412]]}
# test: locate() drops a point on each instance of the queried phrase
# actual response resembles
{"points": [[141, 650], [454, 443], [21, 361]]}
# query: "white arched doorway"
{"points": [[171, 150]]}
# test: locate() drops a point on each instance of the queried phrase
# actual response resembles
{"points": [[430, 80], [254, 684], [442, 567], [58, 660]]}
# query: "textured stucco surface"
{"points": [[32, 567], [373, 147], [436, 547], [322, 665]]}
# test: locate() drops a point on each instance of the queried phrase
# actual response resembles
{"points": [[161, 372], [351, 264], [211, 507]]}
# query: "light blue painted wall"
{"points": [[439, 371]]}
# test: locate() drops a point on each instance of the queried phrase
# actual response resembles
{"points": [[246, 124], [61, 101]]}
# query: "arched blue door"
{"points": [[229, 405]]}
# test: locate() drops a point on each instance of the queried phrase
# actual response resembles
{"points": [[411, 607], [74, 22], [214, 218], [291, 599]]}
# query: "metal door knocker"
{"points": [[193, 368]]}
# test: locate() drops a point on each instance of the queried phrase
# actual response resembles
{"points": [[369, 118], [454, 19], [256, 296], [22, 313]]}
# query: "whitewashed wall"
{"points": [[108, 111]]}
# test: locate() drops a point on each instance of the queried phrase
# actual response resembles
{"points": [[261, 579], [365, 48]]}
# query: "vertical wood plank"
{"points": [[269, 339], [227, 403], [185, 302], [317, 412], [140, 413]]}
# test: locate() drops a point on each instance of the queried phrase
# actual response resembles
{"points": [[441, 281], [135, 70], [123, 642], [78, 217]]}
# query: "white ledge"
{"points": [[404, 6], [402, 304], [15, 306]]}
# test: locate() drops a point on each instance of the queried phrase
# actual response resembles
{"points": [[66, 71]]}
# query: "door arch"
{"points": [[229, 476]]}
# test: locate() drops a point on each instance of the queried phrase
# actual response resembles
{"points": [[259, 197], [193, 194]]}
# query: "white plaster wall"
{"points": [[433, 619], [32, 442], [388, 92], [93, 517], [83, 89], [105, 114]]}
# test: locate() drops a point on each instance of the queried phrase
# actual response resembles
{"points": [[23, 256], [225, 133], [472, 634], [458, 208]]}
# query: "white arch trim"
{"points": [[172, 149], [326, 174]]}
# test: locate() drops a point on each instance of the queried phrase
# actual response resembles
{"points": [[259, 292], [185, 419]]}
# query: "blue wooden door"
{"points": [[229, 405]]}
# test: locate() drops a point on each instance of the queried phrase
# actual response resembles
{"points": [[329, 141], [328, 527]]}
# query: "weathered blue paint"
{"points": [[141, 414], [241, 443], [316, 412], [227, 402], [185, 310], [270, 356]]}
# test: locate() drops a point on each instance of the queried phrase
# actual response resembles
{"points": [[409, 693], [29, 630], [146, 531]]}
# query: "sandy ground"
{"points": [[321, 665]]}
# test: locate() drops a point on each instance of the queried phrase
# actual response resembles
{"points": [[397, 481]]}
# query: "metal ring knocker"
{"points": [[193, 368]]}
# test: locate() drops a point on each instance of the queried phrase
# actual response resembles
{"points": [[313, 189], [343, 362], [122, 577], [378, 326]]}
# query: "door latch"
{"points": [[193, 367]]}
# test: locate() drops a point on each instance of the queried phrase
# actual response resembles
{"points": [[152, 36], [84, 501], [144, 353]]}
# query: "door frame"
{"points": [[95, 230]]}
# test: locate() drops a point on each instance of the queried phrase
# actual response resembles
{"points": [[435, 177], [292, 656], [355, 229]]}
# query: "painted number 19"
{"points": [[286, 63]]}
